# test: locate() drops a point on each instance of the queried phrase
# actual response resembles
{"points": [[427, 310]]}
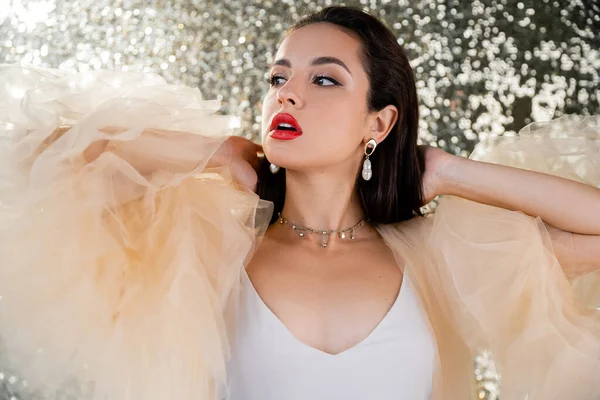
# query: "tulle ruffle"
{"points": [[568, 147], [490, 279], [110, 276]]}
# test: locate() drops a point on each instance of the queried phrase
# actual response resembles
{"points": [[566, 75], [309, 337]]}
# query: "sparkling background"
{"points": [[483, 67]]}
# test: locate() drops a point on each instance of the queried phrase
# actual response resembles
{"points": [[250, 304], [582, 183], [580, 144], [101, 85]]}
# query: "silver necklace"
{"points": [[301, 230]]}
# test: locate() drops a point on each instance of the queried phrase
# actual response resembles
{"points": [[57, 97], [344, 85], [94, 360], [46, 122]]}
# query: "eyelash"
{"points": [[272, 80]]}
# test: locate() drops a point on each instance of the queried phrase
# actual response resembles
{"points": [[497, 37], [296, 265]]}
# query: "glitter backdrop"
{"points": [[482, 68]]}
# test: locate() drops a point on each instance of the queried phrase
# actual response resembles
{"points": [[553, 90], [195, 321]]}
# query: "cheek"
{"points": [[326, 142], [339, 122], [339, 136], [343, 132], [333, 131]]}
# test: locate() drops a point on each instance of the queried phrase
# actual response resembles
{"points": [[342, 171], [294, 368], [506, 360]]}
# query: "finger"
{"points": [[253, 187], [244, 174], [255, 156]]}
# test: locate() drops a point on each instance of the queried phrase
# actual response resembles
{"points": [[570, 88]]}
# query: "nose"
{"points": [[289, 94]]}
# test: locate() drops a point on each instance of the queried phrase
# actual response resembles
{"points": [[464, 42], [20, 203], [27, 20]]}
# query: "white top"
{"points": [[395, 361]]}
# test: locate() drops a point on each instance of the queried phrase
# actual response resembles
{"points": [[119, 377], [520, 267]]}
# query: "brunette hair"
{"points": [[394, 193]]}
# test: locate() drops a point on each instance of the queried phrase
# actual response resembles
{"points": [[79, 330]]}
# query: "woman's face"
{"points": [[319, 80]]}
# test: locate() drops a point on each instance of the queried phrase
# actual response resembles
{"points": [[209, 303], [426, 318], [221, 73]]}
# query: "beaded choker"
{"points": [[302, 230]]}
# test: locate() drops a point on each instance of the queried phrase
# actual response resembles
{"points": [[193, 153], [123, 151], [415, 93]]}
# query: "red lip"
{"points": [[284, 134]]}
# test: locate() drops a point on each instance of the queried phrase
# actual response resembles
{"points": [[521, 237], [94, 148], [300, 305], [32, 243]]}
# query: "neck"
{"points": [[322, 200]]}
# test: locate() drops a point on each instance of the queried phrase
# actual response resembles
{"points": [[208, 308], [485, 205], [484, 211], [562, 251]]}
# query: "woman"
{"points": [[135, 235]]}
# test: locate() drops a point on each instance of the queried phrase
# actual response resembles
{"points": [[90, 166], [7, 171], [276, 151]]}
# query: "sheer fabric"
{"points": [[117, 277]]}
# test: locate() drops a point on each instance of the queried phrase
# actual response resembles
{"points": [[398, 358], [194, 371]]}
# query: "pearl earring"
{"points": [[367, 171], [274, 168]]}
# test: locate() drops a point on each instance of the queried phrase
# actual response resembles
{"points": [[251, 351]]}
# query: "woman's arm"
{"points": [[567, 205], [571, 210], [240, 154]]}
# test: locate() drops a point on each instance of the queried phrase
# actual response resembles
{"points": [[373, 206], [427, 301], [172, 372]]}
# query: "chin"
{"points": [[280, 159], [282, 152]]}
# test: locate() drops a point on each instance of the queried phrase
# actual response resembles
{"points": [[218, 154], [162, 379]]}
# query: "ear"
{"points": [[381, 123]]}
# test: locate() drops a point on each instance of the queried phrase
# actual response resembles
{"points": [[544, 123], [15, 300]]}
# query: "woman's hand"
{"points": [[242, 155], [435, 160]]}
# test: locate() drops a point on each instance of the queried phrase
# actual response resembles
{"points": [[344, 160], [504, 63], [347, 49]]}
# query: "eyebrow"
{"points": [[317, 61]]}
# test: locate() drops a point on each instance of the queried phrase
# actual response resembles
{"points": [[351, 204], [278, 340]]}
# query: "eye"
{"points": [[323, 80], [275, 80]]}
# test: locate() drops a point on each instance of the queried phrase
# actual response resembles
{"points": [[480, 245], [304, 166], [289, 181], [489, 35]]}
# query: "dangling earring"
{"points": [[367, 172]]}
